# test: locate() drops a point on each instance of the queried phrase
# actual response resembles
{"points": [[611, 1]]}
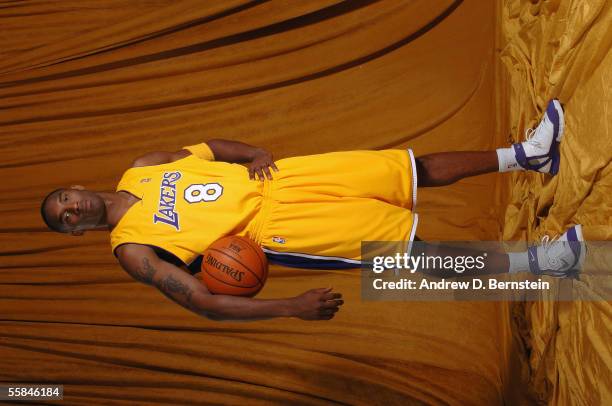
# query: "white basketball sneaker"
{"points": [[561, 257], [540, 152]]}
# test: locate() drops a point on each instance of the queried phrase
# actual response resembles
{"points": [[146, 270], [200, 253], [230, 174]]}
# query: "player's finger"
{"points": [[273, 165], [331, 304], [260, 174], [335, 301], [268, 174], [251, 173], [331, 295]]}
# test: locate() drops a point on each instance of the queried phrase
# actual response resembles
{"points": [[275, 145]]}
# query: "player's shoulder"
{"points": [[130, 252], [136, 260], [159, 158]]}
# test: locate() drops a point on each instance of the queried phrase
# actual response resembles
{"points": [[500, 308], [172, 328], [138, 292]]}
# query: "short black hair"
{"points": [[43, 214]]}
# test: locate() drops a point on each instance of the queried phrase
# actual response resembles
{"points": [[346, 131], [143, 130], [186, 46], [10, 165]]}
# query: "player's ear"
{"points": [[77, 233], [77, 187]]}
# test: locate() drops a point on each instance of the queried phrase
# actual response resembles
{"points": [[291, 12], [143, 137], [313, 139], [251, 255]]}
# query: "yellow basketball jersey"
{"points": [[187, 204], [314, 213]]}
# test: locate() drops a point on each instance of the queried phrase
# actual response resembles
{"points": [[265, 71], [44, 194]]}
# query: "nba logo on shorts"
{"points": [[279, 240]]}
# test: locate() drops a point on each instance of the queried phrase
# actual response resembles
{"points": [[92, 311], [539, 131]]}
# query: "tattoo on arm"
{"points": [[145, 273], [173, 289]]}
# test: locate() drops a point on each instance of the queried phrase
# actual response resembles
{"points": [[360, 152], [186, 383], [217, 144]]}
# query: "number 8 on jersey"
{"points": [[207, 192]]}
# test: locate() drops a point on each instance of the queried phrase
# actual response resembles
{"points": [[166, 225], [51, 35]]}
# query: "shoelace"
{"points": [[547, 241], [530, 133]]}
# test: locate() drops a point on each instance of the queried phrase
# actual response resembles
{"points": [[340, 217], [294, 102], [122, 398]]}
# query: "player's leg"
{"points": [[444, 168], [539, 153]]}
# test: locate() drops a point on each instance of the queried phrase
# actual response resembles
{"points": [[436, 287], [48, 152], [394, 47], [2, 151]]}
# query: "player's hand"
{"points": [[261, 164], [317, 304]]}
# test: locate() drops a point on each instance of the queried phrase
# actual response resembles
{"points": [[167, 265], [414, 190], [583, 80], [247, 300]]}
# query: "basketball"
{"points": [[234, 266]]}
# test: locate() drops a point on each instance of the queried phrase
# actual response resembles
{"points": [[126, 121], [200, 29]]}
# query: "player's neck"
{"points": [[117, 204]]}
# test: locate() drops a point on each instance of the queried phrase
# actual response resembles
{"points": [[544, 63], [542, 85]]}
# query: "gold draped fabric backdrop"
{"points": [[87, 86]]}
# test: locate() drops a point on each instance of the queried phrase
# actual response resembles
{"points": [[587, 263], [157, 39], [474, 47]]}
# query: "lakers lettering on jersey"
{"points": [[313, 214]]}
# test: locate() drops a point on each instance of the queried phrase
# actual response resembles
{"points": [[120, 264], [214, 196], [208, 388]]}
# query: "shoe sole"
{"points": [[554, 148], [560, 112], [555, 159], [574, 234]]}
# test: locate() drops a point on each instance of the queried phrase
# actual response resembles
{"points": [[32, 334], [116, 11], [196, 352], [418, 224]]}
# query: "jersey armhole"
{"points": [[201, 151], [160, 252]]}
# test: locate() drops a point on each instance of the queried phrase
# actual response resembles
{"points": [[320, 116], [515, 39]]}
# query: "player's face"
{"points": [[75, 210]]}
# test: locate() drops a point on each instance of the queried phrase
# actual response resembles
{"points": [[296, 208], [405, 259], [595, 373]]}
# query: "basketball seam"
{"points": [[227, 283]]}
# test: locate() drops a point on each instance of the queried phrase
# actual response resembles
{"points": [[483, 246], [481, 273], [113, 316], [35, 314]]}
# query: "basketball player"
{"points": [[310, 211]]}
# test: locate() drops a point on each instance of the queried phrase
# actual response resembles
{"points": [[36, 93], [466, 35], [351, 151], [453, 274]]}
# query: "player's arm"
{"points": [[144, 265], [258, 160]]}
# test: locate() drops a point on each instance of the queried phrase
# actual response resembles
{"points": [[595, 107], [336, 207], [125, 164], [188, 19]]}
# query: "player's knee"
{"points": [[423, 173]]}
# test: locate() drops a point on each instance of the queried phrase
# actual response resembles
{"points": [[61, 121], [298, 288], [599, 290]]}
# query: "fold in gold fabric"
{"points": [[562, 49]]}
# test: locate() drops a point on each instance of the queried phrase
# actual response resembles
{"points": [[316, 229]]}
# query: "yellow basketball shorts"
{"points": [[319, 208]]}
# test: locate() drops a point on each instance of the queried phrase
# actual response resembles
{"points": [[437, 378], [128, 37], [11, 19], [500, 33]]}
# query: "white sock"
{"points": [[507, 160], [519, 262]]}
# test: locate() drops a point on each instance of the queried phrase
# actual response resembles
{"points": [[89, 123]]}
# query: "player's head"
{"points": [[73, 210]]}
